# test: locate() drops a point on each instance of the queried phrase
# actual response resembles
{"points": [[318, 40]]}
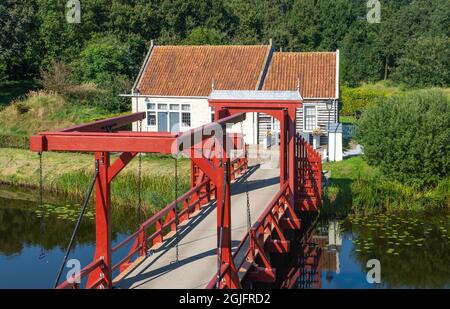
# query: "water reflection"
{"points": [[32, 243], [413, 250]]}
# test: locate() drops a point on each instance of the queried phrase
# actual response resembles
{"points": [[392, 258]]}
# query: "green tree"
{"points": [[426, 62], [104, 56], [19, 52], [204, 36]]}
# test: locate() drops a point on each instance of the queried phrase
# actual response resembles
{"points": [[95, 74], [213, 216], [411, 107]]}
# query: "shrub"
{"points": [[111, 86], [57, 78], [407, 137], [354, 99]]}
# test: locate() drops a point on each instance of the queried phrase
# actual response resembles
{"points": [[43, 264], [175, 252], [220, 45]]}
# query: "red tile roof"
{"points": [[190, 70], [316, 72]]}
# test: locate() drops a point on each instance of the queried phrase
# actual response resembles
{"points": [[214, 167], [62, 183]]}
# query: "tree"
{"points": [[104, 56], [426, 62], [204, 36], [19, 52], [407, 137]]}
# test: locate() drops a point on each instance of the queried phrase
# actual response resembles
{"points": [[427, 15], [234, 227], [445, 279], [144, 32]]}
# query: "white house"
{"points": [[175, 81]]}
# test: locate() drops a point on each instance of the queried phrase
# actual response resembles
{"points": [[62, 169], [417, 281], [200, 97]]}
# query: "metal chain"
{"points": [[139, 214], [249, 218], [176, 210], [42, 254]]}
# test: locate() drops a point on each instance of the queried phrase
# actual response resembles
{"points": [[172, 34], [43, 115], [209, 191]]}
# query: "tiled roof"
{"points": [[316, 72], [191, 70]]}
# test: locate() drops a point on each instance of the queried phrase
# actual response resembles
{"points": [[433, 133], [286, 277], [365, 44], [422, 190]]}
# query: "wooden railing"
{"points": [[266, 231], [162, 225], [309, 175]]}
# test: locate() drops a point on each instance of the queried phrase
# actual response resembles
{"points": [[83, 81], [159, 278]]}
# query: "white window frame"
{"points": [[156, 109], [304, 116]]}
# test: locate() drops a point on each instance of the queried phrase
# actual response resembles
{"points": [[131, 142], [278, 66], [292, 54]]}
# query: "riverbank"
{"points": [[69, 174], [356, 187]]}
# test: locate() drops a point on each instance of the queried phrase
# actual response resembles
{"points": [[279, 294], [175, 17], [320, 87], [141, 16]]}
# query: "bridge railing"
{"points": [[251, 249], [309, 175], [161, 225]]}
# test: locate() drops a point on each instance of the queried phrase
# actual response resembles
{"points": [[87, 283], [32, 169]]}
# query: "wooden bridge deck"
{"points": [[197, 239]]}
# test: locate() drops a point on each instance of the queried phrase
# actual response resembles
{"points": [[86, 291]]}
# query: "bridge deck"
{"points": [[197, 239]]}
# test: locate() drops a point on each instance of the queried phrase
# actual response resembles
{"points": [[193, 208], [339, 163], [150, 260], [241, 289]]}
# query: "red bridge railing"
{"points": [[266, 235], [309, 175], [162, 225]]}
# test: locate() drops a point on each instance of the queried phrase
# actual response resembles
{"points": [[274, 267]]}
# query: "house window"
{"points": [[151, 118], [309, 118], [168, 117], [186, 119]]}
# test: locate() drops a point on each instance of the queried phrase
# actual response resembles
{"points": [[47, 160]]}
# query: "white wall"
{"points": [[200, 115]]}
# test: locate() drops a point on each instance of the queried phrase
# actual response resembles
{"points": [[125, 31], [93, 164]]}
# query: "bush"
{"points": [[57, 78], [109, 99], [354, 99], [407, 137]]}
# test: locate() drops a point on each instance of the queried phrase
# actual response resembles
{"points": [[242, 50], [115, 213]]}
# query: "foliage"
{"points": [[357, 99], [407, 136], [426, 62], [109, 98], [57, 78], [103, 57], [356, 187], [204, 36], [35, 32]]}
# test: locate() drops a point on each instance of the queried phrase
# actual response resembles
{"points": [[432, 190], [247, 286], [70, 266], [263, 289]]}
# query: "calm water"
{"points": [[33, 239], [413, 249]]}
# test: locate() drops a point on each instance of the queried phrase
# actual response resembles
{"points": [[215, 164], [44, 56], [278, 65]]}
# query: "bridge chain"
{"points": [[177, 255], [139, 210], [42, 254], [249, 218]]}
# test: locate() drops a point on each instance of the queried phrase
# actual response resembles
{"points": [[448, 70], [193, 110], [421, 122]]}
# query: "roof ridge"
{"points": [[200, 46]]}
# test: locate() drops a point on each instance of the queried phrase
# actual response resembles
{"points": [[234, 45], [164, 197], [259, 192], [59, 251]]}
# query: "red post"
{"points": [[103, 223], [283, 149], [292, 160], [224, 208]]}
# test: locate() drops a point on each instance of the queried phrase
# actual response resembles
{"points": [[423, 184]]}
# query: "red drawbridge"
{"points": [[211, 202]]}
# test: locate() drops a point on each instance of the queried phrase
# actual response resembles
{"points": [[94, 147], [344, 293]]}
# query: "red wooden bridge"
{"points": [[208, 228]]}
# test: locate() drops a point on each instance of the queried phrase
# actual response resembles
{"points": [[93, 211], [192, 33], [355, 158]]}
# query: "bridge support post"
{"points": [[103, 224], [292, 161], [223, 166]]}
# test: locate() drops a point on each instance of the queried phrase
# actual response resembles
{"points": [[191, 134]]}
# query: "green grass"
{"points": [[347, 119], [356, 187], [69, 174], [43, 111]]}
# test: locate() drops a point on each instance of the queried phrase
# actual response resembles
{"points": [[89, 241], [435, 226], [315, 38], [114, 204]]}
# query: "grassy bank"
{"points": [[356, 187], [70, 174], [43, 111]]}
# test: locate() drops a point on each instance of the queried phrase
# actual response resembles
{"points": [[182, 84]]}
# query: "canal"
{"points": [[413, 248]]}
